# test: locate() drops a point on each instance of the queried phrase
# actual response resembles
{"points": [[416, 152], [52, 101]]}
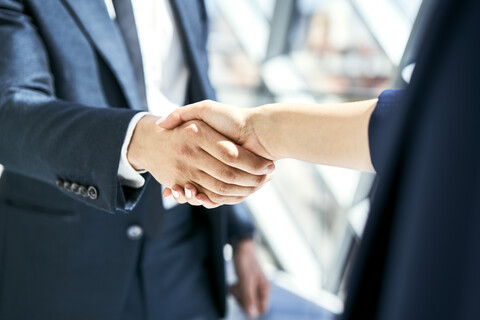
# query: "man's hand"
{"points": [[195, 153], [252, 288]]}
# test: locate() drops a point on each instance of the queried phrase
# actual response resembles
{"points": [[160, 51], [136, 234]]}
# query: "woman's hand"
{"points": [[237, 124]]}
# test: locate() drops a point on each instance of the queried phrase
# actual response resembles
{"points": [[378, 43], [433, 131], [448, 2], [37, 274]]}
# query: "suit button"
{"points": [[92, 193], [134, 232], [74, 188], [66, 185], [59, 183], [82, 191]]}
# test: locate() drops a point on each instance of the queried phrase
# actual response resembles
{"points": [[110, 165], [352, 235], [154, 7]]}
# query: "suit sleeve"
{"points": [[239, 223], [48, 139], [389, 101]]}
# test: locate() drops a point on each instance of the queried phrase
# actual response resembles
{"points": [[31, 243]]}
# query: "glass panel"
{"points": [[409, 7], [315, 51]]}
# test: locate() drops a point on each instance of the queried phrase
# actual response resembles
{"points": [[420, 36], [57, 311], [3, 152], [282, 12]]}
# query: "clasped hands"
{"points": [[207, 154]]}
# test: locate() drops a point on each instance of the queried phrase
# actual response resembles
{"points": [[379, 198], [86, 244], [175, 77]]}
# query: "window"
{"points": [[318, 52]]}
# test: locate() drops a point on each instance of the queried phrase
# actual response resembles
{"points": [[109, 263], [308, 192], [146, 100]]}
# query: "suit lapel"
{"points": [[92, 15]]}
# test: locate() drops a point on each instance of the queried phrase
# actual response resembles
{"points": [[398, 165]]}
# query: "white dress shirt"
{"points": [[166, 74]]}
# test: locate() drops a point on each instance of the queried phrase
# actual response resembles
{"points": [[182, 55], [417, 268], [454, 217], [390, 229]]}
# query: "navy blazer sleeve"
{"points": [[45, 138], [239, 224], [388, 103]]}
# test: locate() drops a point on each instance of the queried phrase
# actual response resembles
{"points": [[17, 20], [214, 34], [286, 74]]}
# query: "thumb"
{"points": [[181, 115], [263, 293], [249, 300], [173, 120]]}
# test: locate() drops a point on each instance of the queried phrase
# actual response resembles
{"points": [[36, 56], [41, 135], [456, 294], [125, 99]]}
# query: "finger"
{"points": [[250, 299], [222, 193], [206, 202], [190, 194], [219, 199], [230, 175], [190, 112], [167, 192], [269, 177], [206, 181], [203, 136], [181, 196], [231, 154], [190, 191], [178, 194], [263, 294], [232, 289], [235, 291]]}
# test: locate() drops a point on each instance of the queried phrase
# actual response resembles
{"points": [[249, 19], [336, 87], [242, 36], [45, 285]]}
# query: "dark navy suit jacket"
{"points": [[67, 94], [420, 255]]}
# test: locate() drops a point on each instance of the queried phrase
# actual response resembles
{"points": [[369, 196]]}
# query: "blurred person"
{"points": [[419, 256], [74, 78]]}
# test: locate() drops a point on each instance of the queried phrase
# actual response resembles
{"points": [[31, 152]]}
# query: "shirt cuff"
{"points": [[127, 175]]}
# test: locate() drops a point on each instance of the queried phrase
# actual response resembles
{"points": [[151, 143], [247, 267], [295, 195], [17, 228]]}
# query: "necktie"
{"points": [[126, 24]]}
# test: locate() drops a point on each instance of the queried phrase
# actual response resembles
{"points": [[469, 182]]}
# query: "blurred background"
{"points": [[310, 218]]}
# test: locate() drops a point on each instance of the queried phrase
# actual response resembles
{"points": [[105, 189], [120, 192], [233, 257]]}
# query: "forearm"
{"points": [[335, 135]]}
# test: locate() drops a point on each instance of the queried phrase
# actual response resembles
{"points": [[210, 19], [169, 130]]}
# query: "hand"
{"points": [[237, 124], [195, 153], [189, 194], [252, 288]]}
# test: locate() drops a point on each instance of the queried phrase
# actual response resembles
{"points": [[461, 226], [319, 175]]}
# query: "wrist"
{"points": [[138, 145], [264, 127], [244, 246]]}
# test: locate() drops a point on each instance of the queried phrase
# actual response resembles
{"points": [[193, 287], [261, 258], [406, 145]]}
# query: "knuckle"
{"points": [[180, 169], [228, 175], [259, 166], [199, 125], [235, 200], [193, 129], [230, 155], [224, 188], [193, 203], [206, 103], [252, 190], [194, 175], [186, 151], [260, 180], [217, 198]]}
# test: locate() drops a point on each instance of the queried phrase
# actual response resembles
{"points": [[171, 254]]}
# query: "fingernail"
{"points": [[160, 120], [176, 194], [188, 192], [252, 312], [270, 168]]}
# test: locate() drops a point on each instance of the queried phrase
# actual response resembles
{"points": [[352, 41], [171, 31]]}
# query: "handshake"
{"points": [[206, 153], [211, 154]]}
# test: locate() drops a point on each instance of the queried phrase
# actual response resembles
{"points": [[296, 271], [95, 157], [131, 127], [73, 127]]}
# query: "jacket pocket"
{"points": [[29, 207]]}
